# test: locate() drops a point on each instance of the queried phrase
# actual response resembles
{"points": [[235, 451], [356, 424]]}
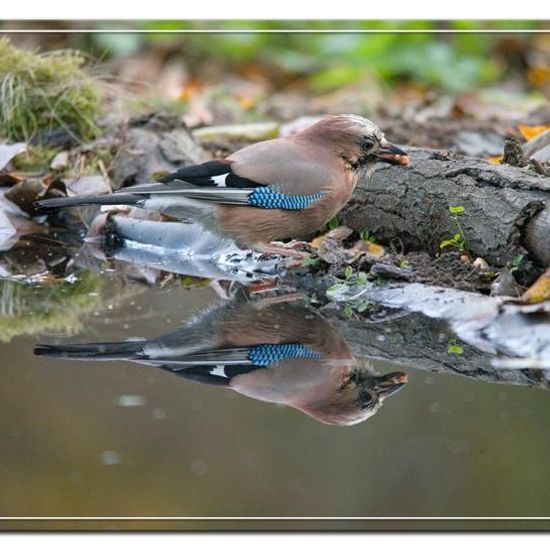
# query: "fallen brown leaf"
{"points": [[530, 132], [539, 291]]}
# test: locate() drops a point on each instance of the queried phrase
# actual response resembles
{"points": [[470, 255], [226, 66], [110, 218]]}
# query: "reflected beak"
{"points": [[388, 152], [390, 384]]}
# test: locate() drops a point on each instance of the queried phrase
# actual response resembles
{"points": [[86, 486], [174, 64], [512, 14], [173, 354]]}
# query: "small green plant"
{"points": [[348, 272], [348, 310], [361, 306], [404, 263], [458, 240], [367, 237], [517, 262], [454, 348], [190, 282], [310, 261], [334, 223]]}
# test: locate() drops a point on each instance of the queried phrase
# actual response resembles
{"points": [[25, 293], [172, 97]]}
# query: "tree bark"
{"points": [[506, 209]]}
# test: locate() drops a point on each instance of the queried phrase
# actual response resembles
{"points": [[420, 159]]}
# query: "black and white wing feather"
{"points": [[211, 181]]}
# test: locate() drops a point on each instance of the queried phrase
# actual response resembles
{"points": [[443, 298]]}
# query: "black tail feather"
{"points": [[87, 200]]}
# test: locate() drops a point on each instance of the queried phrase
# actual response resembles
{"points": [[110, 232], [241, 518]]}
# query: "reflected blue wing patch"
{"points": [[264, 355]]}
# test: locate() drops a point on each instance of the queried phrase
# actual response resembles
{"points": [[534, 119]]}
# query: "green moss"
{"points": [[45, 91], [36, 158]]}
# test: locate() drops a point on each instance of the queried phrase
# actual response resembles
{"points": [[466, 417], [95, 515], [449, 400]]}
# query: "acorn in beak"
{"points": [[390, 153]]}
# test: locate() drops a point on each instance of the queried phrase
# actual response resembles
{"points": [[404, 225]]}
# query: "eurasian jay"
{"points": [[277, 352], [284, 188]]}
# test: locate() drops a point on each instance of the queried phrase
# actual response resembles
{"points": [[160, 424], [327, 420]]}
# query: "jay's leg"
{"points": [[292, 245], [280, 249]]}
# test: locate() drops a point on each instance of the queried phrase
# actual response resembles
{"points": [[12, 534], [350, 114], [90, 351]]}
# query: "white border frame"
{"points": [[273, 518]]}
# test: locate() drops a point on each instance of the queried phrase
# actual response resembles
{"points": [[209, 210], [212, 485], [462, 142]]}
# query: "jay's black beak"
{"points": [[390, 384], [388, 152]]}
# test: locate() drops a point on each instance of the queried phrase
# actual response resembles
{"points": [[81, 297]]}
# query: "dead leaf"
{"points": [[60, 161], [7, 152], [8, 179], [247, 103], [539, 291], [316, 243], [496, 159], [191, 89], [370, 248], [538, 76], [87, 185], [375, 249], [530, 132], [338, 234], [26, 193]]}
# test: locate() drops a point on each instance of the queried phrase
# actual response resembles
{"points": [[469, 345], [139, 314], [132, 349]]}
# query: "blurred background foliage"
{"points": [[452, 62], [244, 71], [326, 61]]}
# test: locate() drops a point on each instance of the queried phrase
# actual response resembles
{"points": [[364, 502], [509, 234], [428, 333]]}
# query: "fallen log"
{"points": [[506, 209]]}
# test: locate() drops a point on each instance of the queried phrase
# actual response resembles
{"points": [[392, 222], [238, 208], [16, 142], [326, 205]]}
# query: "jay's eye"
{"points": [[368, 143]]}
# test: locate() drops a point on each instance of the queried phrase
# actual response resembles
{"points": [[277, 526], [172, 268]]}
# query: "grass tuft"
{"points": [[41, 92]]}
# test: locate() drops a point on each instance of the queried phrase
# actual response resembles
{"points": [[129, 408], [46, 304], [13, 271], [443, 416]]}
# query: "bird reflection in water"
{"points": [[275, 350]]}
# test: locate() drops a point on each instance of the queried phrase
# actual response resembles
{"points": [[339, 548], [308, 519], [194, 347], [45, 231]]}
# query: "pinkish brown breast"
{"points": [[252, 225]]}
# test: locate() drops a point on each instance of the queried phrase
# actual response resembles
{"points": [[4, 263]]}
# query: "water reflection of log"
{"points": [[419, 342], [490, 330]]}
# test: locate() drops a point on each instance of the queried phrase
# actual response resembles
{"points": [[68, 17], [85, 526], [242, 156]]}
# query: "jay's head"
{"points": [[360, 397], [357, 140]]}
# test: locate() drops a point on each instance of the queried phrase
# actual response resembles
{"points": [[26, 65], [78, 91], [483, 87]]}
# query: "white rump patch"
{"points": [[219, 181]]}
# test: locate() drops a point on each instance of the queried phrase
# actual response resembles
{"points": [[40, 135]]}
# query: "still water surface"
{"points": [[115, 438]]}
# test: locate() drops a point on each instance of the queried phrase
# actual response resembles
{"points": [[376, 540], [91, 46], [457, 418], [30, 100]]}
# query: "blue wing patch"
{"points": [[265, 197]]}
